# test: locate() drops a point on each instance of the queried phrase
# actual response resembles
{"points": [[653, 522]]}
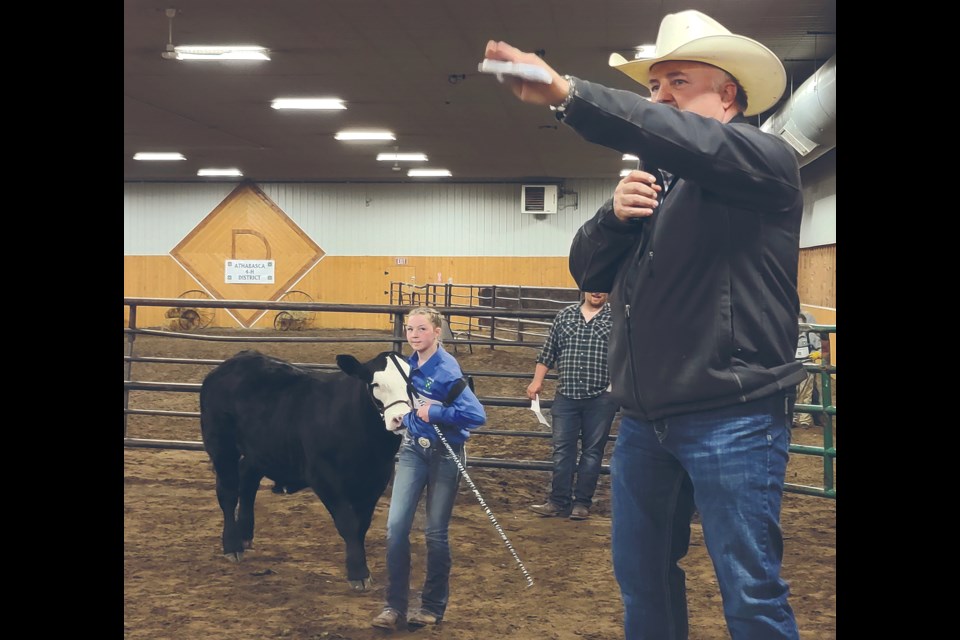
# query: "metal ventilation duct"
{"points": [[808, 119]]}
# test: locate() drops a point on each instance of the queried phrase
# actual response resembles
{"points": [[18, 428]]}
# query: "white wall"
{"points": [[157, 216], [376, 219], [819, 178], [431, 219]]}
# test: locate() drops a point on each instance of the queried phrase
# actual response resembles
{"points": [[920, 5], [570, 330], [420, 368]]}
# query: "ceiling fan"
{"points": [[170, 53]]}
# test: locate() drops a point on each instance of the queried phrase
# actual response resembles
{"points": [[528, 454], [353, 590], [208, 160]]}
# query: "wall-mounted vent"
{"points": [[538, 198]]}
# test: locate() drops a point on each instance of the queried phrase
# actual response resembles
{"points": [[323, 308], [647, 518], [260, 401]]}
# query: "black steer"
{"points": [[336, 433]]}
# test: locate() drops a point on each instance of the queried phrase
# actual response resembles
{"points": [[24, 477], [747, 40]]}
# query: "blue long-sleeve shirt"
{"points": [[433, 382]]}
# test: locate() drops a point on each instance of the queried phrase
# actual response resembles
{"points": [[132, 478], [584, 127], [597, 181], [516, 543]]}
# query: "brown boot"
{"points": [[549, 509], [390, 619], [579, 512], [422, 618]]}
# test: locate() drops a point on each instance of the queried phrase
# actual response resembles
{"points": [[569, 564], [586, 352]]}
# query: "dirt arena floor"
{"points": [[177, 585]]}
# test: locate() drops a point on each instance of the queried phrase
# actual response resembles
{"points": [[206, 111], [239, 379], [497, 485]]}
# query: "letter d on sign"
{"points": [[248, 232]]}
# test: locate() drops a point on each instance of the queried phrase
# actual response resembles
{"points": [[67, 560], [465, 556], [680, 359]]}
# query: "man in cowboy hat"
{"points": [[699, 252]]}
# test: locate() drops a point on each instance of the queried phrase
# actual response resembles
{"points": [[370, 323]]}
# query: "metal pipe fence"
{"points": [[498, 327], [431, 295]]}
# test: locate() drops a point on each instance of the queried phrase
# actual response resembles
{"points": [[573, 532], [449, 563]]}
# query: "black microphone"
{"points": [[639, 168]]}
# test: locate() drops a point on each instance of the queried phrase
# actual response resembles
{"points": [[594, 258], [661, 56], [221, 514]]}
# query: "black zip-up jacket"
{"points": [[704, 291]]}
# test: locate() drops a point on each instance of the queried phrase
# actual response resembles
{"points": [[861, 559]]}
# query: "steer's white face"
{"points": [[390, 388], [386, 384]]}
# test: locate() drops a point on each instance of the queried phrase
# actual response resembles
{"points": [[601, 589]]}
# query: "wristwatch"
{"points": [[561, 110]]}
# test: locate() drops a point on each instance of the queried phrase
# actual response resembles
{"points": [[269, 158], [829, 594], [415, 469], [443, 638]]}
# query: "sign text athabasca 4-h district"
{"points": [[248, 272]]}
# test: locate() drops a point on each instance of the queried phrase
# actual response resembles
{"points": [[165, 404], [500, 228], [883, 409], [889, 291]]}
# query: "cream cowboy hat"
{"points": [[691, 35]]}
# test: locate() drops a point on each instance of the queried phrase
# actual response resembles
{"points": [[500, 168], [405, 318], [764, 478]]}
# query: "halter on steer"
{"points": [[415, 398], [410, 402], [406, 402]]}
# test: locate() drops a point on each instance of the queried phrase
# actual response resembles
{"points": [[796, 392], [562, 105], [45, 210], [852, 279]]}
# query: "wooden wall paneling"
{"points": [[817, 276], [348, 280], [247, 225], [158, 277], [817, 286]]}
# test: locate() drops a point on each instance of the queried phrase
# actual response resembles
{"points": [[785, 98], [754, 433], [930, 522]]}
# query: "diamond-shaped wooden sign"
{"points": [[247, 225]]}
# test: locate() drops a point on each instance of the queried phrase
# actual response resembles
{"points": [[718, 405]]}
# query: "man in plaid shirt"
{"points": [[583, 408]]}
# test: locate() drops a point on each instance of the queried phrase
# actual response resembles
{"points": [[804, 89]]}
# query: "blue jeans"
{"points": [[731, 463], [588, 421], [420, 468]]}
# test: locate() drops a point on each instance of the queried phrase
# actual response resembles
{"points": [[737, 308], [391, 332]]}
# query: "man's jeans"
{"points": [[588, 421], [731, 462], [420, 468]]}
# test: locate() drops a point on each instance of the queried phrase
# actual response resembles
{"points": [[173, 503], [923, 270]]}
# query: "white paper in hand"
{"points": [[523, 70], [535, 407]]}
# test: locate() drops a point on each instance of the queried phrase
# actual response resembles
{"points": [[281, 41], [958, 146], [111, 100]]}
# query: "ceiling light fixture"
{"points": [[209, 51], [158, 155], [365, 135], [645, 52], [429, 173], [308, 103], [220, 52], [402, 157], [219, 172]]}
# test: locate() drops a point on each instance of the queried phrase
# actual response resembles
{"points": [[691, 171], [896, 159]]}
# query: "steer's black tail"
{"points": [[219, 432]]}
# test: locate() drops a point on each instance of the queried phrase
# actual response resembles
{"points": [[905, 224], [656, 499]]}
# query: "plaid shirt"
{"points": [[578, 350]]}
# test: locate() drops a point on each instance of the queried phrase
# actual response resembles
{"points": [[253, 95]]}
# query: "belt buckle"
{"points": [[423, 442]]}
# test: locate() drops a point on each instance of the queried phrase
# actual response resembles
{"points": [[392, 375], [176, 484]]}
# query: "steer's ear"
{"points": [[352, 366]]}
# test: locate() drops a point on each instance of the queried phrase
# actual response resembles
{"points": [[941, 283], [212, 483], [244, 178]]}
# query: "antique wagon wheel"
{"points": [[191, 318], [283, 321], [294, 320]]}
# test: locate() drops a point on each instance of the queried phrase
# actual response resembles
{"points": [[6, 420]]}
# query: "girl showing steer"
{"points": [[426, 463]]}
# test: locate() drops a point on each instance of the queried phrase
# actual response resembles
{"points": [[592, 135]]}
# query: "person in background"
{"points": [[583, 407], [424, 463], [700, 252], [808, 350]]}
